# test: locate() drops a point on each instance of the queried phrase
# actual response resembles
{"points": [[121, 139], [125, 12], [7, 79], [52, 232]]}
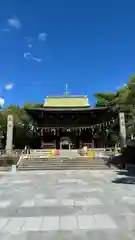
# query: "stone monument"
{"points": [[9, 139], [122, 130]]}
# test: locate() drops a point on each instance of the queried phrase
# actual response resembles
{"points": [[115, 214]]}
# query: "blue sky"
{"points": [[45, 44]]}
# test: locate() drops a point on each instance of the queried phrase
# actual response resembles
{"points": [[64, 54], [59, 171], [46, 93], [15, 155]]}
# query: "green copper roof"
{"points": [[66, 101]]}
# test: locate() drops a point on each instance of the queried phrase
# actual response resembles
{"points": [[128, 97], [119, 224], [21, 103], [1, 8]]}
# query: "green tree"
{"points": [[104, 99], [123, 100], [33, 105]]}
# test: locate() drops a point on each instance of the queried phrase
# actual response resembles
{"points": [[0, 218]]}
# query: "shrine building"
{"points": [[68, 122]]}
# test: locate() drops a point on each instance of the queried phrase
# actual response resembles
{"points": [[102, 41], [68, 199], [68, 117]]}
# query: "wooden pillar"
{"points": [[57, 138], [122, 130], [92, 143]]}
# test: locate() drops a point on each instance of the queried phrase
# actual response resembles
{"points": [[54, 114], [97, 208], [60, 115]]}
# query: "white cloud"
{"points": [[14, 22], [29, 56], [42, 36], [2, 101], [9, 86]]}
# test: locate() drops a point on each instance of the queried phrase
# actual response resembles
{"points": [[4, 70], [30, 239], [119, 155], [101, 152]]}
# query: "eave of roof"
{"points": [[60, 109]]}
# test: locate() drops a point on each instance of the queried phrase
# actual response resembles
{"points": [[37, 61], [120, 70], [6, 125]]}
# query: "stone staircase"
{"points": [[67, 160]]}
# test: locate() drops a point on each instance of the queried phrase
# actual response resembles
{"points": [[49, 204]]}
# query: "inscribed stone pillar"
{"points": [[9, 140], [122, 129]]}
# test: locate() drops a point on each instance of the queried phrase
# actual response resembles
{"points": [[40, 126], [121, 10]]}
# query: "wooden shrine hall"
{"points": [[68, 122]]}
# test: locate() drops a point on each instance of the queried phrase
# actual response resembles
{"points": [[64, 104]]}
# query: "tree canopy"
{"points": [[124, 99], [125, 96], [22, 131]]}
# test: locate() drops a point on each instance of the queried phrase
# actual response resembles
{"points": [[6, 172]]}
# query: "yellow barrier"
{"points": [[91, 153], [53, 153]]}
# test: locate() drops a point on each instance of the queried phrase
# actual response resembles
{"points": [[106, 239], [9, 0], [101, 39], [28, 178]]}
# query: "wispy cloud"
{"points": [[14, 22], [5, 30], [9, 86], [37, 59], [123, 85], [42, 36], [29, 56], [29, 41]]}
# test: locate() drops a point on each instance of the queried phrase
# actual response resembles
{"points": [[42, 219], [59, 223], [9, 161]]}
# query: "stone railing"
{"points": [[97, 152], [9, 158], [71, 153], [14, 152]]}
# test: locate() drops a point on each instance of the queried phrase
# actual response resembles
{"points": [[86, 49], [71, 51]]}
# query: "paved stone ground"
{"points": [[66, 205]]}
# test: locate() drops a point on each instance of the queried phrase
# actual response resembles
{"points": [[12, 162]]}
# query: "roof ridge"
{"points": [[69, 96]]}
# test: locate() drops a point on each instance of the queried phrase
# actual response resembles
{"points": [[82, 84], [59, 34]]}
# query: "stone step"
{"points": [[64, 167], [59, 163], [53, 163], [64, 159], [60, 167], [62, 163], [98, 167]]}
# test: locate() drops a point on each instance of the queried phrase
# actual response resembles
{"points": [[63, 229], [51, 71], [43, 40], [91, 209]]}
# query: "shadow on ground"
{"points": [[130, 172], [124, 180], [116, 161], [127, 177], [127, 158]]}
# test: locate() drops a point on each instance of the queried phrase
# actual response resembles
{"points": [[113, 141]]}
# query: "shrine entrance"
{"points": [[65, 143]]}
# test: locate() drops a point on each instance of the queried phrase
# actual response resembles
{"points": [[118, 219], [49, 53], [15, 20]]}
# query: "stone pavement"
{"points": [[66, 205]]}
